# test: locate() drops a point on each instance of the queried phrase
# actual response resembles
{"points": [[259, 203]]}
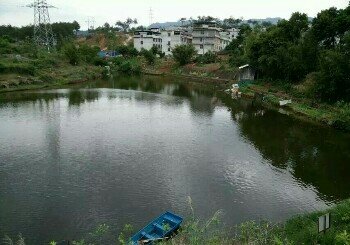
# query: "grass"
{"points": [[299, 230], [336, 116], [49, 72]]}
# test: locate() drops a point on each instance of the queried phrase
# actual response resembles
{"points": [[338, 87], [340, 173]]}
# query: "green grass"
{"points": [[299, 230], [336, 115]]}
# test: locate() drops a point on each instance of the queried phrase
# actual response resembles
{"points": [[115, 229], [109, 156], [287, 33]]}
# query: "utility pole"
{"points": [[43, 35]]}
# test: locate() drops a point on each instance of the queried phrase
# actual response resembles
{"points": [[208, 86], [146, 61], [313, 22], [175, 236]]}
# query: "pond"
{"points": [[123, 151]]}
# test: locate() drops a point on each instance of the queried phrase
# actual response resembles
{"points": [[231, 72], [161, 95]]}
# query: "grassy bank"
{"points": [[21, 73], [301, 229], [335, 115], [298, 230]]}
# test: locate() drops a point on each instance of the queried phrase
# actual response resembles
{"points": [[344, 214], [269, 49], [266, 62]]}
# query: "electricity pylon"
{"points": [[43, 35]]}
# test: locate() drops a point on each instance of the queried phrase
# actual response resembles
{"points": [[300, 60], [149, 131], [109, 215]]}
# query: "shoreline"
{"points": [[325, 115]]}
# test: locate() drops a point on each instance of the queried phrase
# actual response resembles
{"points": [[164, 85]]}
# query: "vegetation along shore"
{"points": [[307, 62], [302, 229]]}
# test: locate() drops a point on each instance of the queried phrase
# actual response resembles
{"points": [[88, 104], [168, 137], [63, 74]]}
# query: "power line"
{"points": [[43, 35]]}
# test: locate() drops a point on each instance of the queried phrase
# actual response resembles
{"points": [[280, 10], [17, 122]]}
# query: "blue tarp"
{"points": [[106, 54]]}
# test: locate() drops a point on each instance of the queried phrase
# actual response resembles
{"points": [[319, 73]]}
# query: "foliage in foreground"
{"points": [[298, 230]]}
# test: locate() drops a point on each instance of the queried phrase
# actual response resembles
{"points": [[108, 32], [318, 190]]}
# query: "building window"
{"points": [[169, 49], [201, 39], [141, 42], [202, 32], [169, 34], [168, 42], [201, 46]]}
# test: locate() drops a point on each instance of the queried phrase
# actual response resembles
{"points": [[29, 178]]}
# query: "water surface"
{"points": [[123, 151]]}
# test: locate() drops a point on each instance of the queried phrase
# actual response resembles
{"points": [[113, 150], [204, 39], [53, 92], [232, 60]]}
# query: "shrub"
{"points": [[157, 51], [207, 58], [127, 51], [87, 53], [118, 60], [72, 53], [19, 68], [4, 46], [333, 79], [2, 68], [183, 54], [130, 67], [149, 56], [100, 62]]}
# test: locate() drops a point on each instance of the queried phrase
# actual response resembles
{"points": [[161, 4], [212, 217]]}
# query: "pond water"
{"points": [[123, 151]]}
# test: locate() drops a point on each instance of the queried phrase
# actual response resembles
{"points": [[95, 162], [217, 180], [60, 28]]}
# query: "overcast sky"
{"points": [[12, 12]]}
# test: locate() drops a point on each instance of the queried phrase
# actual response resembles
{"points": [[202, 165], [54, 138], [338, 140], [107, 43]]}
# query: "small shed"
{"points": [[246, 73]]}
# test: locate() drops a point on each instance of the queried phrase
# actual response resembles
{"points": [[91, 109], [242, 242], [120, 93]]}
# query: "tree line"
{"points": [[60, 30], [297, 49]]}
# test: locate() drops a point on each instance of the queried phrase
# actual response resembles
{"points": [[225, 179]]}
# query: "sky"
{"points": [[12, 11]]}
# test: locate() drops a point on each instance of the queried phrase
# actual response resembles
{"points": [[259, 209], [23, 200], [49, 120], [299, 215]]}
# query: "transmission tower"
{"points": [[43, 35], [150, 16], [91, 23]]}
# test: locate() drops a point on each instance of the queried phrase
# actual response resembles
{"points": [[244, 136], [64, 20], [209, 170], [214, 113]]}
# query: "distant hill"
{"points": [[273, 21], [166, 25]]}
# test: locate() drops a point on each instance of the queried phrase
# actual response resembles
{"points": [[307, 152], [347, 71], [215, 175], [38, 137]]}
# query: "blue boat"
{"points": [[159, 229]]}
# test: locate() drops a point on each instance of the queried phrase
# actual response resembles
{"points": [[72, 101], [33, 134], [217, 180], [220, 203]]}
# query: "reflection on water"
{"points": [[123, 151]]}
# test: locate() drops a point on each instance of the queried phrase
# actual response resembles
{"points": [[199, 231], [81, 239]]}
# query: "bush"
{"points": [[149, 56], [207, 58], [5, 47], [157, 51], [19, 68], [183, 54], [333, 79], [2, 68], [72, 53], [127, 51], [130, 67], [100, 62], [118, 60], [87, 53]]}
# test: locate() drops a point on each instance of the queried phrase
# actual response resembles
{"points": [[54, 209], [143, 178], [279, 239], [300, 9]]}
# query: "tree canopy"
{"points": [[294, 48]]}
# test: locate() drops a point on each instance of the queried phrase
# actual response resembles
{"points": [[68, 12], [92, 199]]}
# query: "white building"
{"points": [[147, 39], [204, 37], [173, 38], [207, 37]]}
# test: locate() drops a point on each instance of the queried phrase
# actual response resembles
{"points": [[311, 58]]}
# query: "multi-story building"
{"points": [[172, 38], [147, 39], [204, 37]]}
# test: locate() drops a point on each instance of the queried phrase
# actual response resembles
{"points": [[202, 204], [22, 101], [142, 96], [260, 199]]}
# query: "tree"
{"points": [[71, 52], [333, 79], [325, 27], [231, 23], [184, 54], [149, 56], [127, 51], [125, 25]]}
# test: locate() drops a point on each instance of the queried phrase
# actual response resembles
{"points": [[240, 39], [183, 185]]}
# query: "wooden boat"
{"points": [[159, 229]]}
